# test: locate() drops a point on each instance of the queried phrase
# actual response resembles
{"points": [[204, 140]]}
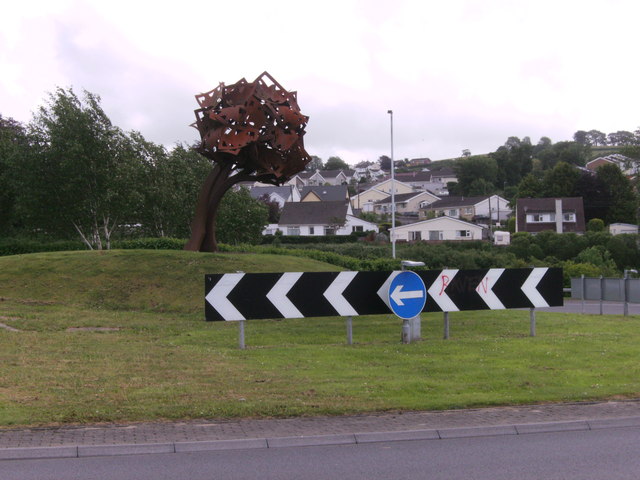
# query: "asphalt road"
{"points": [[611, 453], [593, 307]]}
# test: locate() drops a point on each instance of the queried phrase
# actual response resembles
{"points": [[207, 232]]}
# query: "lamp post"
{"points": [[393, 194]]}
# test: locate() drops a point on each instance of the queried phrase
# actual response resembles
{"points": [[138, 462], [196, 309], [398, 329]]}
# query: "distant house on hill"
{"points": [[406, 203], [627, 165], [477, 209]]}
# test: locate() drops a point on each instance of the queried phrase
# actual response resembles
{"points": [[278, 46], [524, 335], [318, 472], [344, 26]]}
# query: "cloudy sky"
{"points": [[458, 74]]}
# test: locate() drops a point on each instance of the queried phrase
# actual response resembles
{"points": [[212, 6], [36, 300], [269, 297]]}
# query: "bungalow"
{"points": [[440, 228], [535, 215], [319, 218]]}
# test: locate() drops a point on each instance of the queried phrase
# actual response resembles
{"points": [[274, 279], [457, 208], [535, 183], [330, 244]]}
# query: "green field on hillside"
{"points": [[120, 336]]}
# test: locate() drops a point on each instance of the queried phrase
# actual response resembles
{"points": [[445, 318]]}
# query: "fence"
{"points": [[625, 290]]}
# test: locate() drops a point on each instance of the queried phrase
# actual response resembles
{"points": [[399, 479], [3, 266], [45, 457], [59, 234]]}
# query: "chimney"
{"points": [[559, 215]]}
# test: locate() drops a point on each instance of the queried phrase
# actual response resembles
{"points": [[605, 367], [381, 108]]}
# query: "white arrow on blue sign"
{"points": [[407, 294]]}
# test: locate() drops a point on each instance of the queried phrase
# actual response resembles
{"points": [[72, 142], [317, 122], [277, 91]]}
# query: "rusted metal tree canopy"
{"points": [[252, 131]]}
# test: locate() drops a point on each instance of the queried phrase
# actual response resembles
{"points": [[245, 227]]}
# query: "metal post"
{"points": [[625, 293], [416, 327], [532, 322], [583, 291], [393, 194], [601, 294], [406, 331], [446, 325], [241, 334], [349, 331]]}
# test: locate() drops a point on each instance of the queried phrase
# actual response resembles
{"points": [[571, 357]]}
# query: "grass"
{"points": [[88, 352]]}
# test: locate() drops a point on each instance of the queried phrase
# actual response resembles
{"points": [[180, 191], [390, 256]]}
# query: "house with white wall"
{"points": [[437, 229], [319, 218]]}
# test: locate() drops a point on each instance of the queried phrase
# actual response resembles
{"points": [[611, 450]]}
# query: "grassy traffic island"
{"points": [[120, 336]]}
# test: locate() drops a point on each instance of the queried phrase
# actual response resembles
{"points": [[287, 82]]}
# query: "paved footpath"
{"points": [[200, 435]]}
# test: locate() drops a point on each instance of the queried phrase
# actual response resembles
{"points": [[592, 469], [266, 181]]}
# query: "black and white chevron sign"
{"points": [[247, 296]]}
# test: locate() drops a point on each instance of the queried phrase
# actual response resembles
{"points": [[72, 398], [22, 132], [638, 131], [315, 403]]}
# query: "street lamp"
{"points": [[393, 194]]}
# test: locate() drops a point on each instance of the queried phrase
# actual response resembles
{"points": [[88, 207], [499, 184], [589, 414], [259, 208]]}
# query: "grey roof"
{"points": [[327, 193], [414, 177], [313, 213], [456, 202], [283, 191], [402, 197]]}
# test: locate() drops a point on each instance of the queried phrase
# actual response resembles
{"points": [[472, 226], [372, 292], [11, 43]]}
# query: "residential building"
{"points": [[406, 203], [627, 165], [319, 218], [438, 229], [478, 208], [561, 215], [280, 195], [444, 175]]}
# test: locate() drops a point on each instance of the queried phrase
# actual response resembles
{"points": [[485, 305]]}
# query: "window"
{"points": [[415, 236], [569, 217], [463, 233], [330, 231], [468, 211], [541, 217], [453, 212], [357, 228], [293, 230], [311, 231], [435, 235]]}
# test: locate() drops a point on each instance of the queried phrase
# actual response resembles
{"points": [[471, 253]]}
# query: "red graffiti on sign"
{"points": [[445, 284]]}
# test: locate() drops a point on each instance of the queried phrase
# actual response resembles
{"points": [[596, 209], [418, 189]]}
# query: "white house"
{"points": [[319, 218], [406, 203], [440, 228]]}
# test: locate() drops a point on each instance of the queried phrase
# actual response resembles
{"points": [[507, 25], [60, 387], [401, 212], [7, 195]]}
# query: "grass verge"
{"points": [[82, 349]]}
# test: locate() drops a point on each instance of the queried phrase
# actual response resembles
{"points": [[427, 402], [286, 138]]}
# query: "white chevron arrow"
{"points": [[529, 287], [278, 295], [383, 291], [485, 287], [334, 294], [217, 297], [438, 294]]}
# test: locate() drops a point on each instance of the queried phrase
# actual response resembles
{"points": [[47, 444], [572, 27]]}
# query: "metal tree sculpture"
{"points": [[252, 132]]}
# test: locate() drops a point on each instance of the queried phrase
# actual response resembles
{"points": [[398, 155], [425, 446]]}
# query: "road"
{"points": [[611, 453], [593, 307]]}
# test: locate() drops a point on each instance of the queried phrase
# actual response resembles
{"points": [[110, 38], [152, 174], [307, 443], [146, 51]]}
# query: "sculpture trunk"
{"points": [[203, 226]]}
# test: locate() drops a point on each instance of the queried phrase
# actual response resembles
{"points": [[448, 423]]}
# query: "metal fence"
{"points": [[625, 290]]}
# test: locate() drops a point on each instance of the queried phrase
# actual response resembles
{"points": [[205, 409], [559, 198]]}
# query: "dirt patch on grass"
{"points": [[93, 329]]}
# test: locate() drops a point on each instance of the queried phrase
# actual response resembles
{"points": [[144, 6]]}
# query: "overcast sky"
{"points": [[458, 74]]}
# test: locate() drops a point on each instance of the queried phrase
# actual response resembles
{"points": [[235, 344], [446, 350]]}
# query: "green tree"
{"points": [[560, 181], [569, 152], [169, 186], [314, 164], [13, 144], [514, 161], [335, 163], [78, 174], [595, 225], [241, 218], [470, 169], [618, 189], [530, 187]]}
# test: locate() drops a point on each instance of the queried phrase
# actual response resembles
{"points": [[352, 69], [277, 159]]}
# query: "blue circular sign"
{"points": [[407, 295]]}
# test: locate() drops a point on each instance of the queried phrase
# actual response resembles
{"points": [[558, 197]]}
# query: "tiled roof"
{"points": [[313, 213], [327, 193]]}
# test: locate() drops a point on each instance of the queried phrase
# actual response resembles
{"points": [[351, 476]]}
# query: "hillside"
{"points": [[154, 280]]}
